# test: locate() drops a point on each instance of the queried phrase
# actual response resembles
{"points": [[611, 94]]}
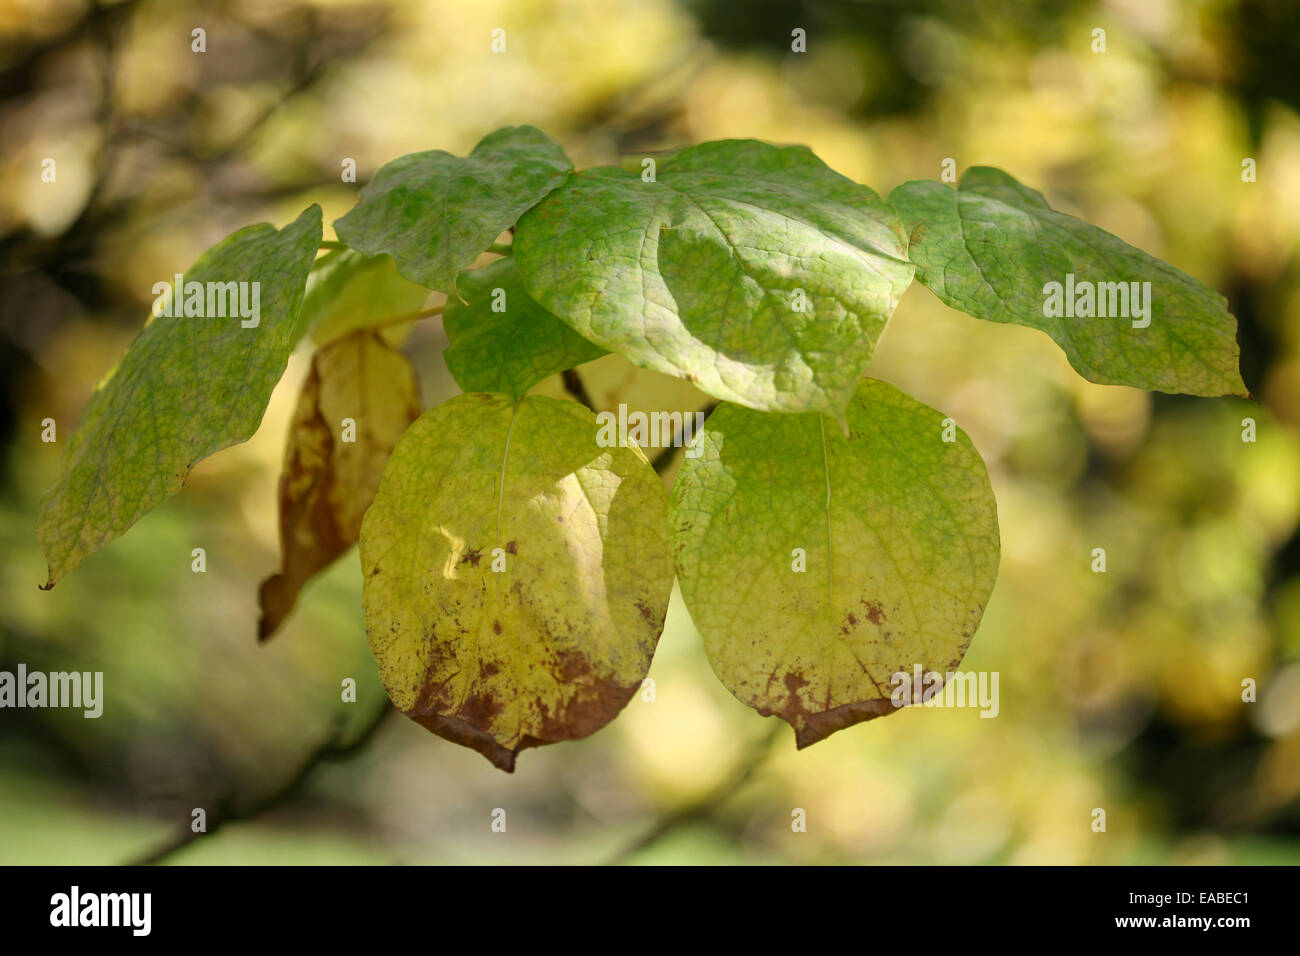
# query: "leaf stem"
{"points": [[333, 244], [408, 317]]}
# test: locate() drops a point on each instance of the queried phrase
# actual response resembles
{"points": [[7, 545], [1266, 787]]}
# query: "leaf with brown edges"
{"points": [[516, 573], [328, 482]]}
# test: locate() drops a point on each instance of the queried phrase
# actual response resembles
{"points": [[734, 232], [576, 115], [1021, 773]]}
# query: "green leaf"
{"points": [[899, 537], [516, 574], [187, 387], [696, 274], [991, 246], [348, 292], [435, 213], [501, 339]]}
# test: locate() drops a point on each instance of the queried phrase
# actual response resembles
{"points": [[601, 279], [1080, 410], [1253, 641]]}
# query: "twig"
{"points": [[709, 803], [661, 461], [228, 811], [304, 75], [573, 383]]}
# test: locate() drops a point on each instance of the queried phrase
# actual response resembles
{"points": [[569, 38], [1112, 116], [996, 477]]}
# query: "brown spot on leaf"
{"points": [[809, 726], [875, 613], [794, 683], [460, 732], [820, 726], [571, 666], [588, 702], [479, 710]]}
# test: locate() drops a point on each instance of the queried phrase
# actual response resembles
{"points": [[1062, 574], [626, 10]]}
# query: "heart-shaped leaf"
{"points": [[816, 567], [516, 574], [755, 272]]}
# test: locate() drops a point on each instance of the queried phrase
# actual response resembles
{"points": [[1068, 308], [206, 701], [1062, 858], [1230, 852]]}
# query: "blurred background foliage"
{"points": [[1119, 690]]}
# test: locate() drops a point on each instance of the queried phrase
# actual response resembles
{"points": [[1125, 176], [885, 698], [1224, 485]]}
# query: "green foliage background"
{"points": [[1118, 691]]}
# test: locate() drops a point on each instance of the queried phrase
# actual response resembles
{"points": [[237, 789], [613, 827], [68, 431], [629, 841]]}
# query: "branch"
{"points": [[707, 805], [227, 811], [661, 461], [573, 383]]}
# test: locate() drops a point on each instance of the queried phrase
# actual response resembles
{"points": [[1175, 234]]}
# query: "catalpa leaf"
{"points": [[516, 574], [501, 339], [188, 386], [995, 249], [816, 566], [755, 272], [435, 213], [348, 291], [357, 400]]}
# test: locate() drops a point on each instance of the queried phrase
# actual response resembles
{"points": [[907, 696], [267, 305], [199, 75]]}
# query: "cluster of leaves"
{"points": [[827, 530]]}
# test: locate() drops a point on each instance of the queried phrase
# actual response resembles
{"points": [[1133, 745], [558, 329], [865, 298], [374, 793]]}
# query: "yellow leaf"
{"points": [[516, 574]]}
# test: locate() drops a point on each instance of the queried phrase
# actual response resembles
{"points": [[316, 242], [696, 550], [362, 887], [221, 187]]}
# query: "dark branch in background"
{"points": [[650, 114], [60, 277], [22, 70], [661, 461], [709, 804], [227, 809], [573, 384], [68, 259]]}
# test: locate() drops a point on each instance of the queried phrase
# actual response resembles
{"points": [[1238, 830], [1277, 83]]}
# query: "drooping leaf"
{"points": [[516, 574], [897, 534], [435, 213], [992, 246], [755, 272], [187, 387], [357, 400], [348, 291], [501, 339]]}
